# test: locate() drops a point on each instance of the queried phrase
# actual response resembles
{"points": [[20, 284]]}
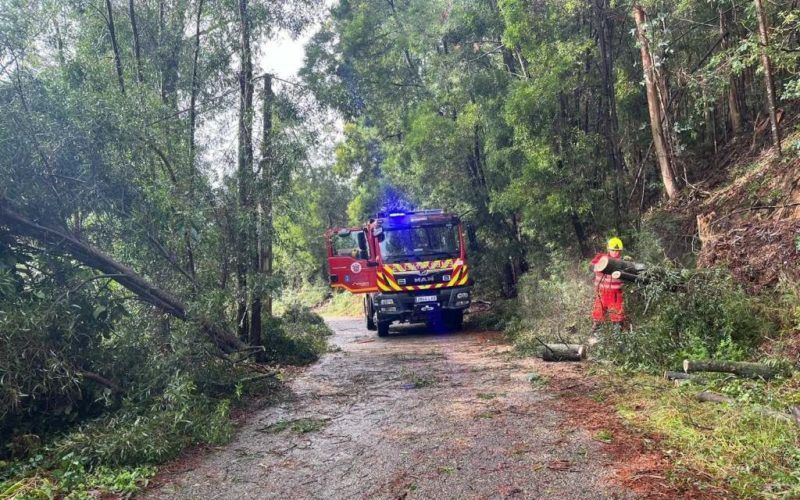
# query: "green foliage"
{"points": [[75, 482], [298, 337], [92, 376], [680, 314], [700, 314], [178, 418], [553, 309]]}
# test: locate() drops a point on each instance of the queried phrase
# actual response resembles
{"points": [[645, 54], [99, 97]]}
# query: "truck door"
{"points": [[350, 266]]}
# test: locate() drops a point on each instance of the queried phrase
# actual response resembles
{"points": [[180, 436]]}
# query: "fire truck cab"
{"points": [[410, 266]]}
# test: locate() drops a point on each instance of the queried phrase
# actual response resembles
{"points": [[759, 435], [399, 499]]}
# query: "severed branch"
{"points": [[94, 377]]}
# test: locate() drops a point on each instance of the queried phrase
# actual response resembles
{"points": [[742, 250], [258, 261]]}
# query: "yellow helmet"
{"points": [[615, 244]]}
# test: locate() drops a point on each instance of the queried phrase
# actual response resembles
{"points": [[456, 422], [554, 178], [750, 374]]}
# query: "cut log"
{"points": [[713, 397], [564, 352], [795, 411], [629, 277], [607, 265], [677, 375], [739, 368]]}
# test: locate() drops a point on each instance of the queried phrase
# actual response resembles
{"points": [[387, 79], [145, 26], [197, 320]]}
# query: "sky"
{"points": [[283, 56]]}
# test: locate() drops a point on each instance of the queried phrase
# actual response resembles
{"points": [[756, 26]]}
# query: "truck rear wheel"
{"points": [[369, 313]]}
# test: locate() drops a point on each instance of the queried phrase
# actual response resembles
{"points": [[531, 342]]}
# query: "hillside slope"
{"points": [[746, 214]]}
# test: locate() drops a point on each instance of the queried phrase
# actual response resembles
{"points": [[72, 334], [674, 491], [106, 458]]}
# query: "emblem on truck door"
{"points": [[355, 267]]}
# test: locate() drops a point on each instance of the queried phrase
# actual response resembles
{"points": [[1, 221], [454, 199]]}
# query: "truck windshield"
{"points": [[420, 243]]}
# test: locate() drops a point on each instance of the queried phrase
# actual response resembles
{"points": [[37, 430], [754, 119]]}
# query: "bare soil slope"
{"points": [[419, 415]]}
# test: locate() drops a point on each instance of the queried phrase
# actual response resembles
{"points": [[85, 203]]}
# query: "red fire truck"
{"points": [[411, 266]]}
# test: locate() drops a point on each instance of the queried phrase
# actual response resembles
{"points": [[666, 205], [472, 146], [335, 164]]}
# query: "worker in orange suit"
{"points": [[608, 291]]}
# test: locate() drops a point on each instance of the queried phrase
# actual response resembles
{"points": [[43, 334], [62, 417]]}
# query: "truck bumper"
{"points": [[420, 305]]}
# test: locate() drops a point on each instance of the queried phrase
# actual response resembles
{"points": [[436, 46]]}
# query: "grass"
{"points": [[342, 304], [745, 452], [322, 299], [298, 426], [604, 436], [420, 380]]}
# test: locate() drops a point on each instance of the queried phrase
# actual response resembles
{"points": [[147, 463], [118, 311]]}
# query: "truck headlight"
{"points": [[462, 295], [387, 302], [462, 302], [446, 277]]}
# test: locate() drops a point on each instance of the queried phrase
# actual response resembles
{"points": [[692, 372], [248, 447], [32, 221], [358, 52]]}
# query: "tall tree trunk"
{"points": [[615, 157], [113, 34], [580, 233], [262, 300], [62, 62], [193, 101], [733, 101], [171, 28], [763, 37], [136, 46], [192, 131], [660, 139], [246, 219]]}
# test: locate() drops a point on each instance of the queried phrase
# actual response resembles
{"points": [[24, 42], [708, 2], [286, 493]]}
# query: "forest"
{"points": [[164, 199]]}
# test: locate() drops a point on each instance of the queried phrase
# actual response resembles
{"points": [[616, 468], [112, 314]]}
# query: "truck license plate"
{"points": [[425, 298]]}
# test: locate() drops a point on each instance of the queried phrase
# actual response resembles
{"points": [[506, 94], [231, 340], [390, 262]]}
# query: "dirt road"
{"points": [[414, 415]]}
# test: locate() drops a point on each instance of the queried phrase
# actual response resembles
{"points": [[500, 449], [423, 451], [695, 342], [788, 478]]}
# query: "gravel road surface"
{"points": [[413, 415]]}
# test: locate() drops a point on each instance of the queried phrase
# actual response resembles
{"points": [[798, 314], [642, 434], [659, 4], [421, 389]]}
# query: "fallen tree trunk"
{"points": [[607, 265], [83, 252], [563, 352], [677, 375], [739, 368]]}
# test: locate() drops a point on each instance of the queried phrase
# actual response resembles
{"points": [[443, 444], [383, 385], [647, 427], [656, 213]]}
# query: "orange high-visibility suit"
{"points": [[607, 295]]}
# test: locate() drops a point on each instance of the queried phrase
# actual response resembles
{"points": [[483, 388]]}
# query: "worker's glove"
{"points": [[627, 258]]}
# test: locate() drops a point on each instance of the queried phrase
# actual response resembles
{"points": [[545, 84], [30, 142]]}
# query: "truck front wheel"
{"points": [[383, 327], [455, 319], [369, 313]]}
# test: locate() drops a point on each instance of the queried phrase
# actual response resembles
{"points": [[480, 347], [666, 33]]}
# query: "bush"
{"points": [[554, 309], [136, 435], [298, 337], [692, 314], [308, 294]]}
